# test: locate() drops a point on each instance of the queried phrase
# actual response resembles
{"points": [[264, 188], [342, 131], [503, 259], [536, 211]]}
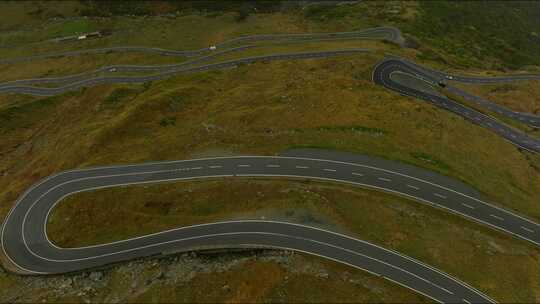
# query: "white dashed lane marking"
{"points": [[196, 168], [357, 174], [215, 167], [329, 170], [468, 206], [527, 229], [245, 166], [302, 167], [384, 179], [496, 217], [413, 187], [439, 195], [273, 166]]}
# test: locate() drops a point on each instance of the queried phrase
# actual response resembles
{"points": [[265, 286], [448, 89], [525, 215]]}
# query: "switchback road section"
{"points": [[25, 242], [382, 75]]}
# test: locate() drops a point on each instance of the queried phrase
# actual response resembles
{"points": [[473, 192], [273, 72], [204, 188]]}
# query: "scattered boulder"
{"points": [[96, 276]]}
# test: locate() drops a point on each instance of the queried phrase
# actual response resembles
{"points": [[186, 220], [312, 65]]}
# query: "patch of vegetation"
{"points": [[431, 160], [114, 8], [473, 32], [364, 74], [119, 95], [431, 55], [22, 116], [212, 8], [167, 121], [358, 129], [320, 13], [175, 102], [77, 26], [504, 88]]}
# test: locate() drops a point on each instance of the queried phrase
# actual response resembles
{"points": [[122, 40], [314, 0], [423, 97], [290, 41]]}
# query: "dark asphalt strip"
{"points": [[438, 76], [39, 91], [382, 33], [381, 76], [25, 242]]}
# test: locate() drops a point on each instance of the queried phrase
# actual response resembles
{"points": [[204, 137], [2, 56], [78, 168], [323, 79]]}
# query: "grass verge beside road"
{"points": [[502, 118], [263, 109], [406, 226], [521, 96]]}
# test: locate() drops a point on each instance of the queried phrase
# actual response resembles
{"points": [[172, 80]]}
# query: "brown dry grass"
{"points": [[521, 96], [241, 277], [263, 109], [268, 281], [400, 224]]}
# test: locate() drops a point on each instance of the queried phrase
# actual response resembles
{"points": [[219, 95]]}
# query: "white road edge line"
{"points": [[267, 175]]}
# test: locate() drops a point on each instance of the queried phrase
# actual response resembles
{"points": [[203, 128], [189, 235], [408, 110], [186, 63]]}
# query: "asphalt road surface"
{"points": [[46, 91], [25, 242], [24, 235], [95, 77], [439, 76], [382, 76], [379, 33], [122, 68]]}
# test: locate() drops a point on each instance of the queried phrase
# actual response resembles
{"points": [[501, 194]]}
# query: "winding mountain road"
{"points": [[378, 33], [382, 76], [86, 82], [95, 77], [447, 78], [26, 244], [28, 249]]}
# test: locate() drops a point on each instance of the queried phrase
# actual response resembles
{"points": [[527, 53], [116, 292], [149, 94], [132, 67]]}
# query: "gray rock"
{"points": [[160, 275], [323, 275], [96, 276]]}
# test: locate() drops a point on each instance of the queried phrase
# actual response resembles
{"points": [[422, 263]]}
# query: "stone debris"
{"points": [[124, 281]]}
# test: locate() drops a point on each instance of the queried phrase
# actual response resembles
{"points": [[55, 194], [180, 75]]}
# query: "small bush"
{"points": [[430, 159], [118, 95], [504, 88], [167, 121]]}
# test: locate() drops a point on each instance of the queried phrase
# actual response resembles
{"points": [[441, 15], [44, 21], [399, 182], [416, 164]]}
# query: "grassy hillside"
{"points": [[211, 278], [487, 34], [400, 224], [262, 108], [521, 96]]}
